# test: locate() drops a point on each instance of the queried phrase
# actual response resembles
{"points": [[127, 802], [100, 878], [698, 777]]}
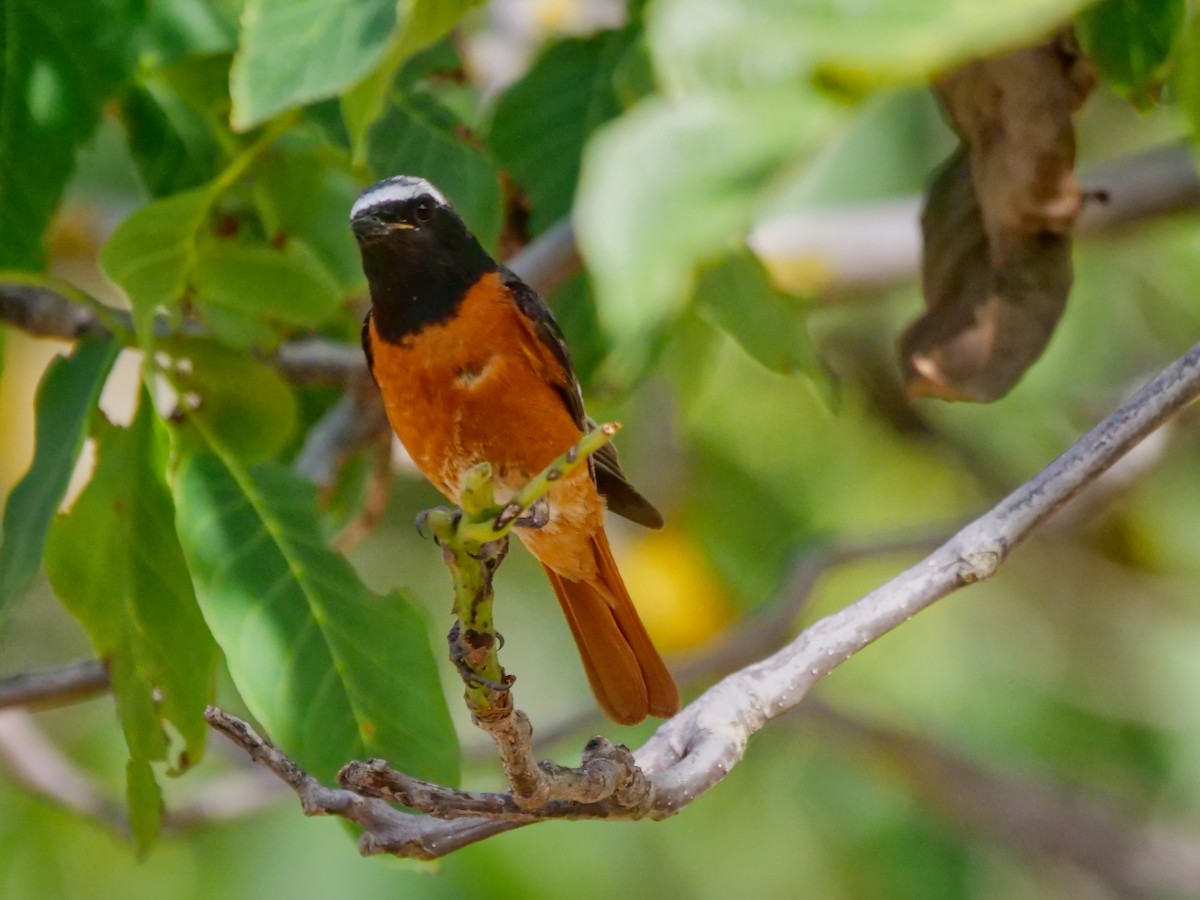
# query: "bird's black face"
{"points": [[419, 257], [393, 218]]}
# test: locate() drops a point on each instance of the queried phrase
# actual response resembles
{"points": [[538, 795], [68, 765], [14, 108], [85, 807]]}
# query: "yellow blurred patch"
{"points": [[799, 274], [676, 593]]}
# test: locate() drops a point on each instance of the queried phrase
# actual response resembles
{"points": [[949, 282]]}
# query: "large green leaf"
{"points": [[293, 52], [542, 122], [333, 671], [737, 296], [188, 27], [742, 43], [241, 286], [152, 253], [424, 23], [1187, 74], [672, 184], [1130, 41], [116, 564], [243, 405], [172, 132], [419, 136], [302, 196], [59, 63], [66, 399]]}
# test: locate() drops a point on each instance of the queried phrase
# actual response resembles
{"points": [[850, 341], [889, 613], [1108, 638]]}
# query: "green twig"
{"points": [[474, 541]]}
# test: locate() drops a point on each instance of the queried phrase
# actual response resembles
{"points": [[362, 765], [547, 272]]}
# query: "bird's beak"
{"points": [[369, 226]]}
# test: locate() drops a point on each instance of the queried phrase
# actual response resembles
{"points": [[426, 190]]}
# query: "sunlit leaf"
{"points": [[333, 671], [243, 404], [254, 283], [66, 400], [426, 21], [116, 564], [152, 253], [293, 52], [744, 43], [670, 185]]}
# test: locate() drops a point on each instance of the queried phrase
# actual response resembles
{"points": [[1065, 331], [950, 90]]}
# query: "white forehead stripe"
{"points": [[394, 190]]}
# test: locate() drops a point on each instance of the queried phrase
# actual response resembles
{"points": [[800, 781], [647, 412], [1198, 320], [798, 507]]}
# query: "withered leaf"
{"points": [[997, 224]]}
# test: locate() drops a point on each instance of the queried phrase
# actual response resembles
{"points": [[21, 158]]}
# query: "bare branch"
{"points": [[693, 751], [878, 245], [34, 762], [55, 687], [385, 830], [545, 263]]}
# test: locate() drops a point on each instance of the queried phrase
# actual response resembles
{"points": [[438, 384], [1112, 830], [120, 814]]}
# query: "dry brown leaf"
{"points": [[997, 223]]}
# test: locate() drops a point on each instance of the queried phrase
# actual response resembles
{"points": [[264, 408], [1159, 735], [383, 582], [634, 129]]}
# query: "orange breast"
{"points": [[477, 388]]}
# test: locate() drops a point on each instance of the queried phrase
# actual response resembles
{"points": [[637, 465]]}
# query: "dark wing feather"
{"points": [[621, 496], [366, 345]]}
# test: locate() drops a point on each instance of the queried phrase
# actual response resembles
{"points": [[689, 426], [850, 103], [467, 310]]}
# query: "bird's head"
{"points": [[419, 257]]}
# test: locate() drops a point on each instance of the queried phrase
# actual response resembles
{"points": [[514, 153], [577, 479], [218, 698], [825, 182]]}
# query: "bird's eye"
{"points": [[423, 211]]}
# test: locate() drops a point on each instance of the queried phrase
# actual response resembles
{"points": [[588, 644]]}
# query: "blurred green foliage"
{"points": [[219, 145]]}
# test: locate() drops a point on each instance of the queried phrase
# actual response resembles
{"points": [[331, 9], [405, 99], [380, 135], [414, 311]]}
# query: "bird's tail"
{"points": [[626, 673]]}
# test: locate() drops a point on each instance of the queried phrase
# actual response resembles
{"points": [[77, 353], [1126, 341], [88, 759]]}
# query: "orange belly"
{"points": [[479, 388]]}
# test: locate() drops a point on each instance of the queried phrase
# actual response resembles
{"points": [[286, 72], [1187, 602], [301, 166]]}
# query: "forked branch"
{"points": [[693, 751]]}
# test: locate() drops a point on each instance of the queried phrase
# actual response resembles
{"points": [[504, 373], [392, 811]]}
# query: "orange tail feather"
{"points": [[626, 673]]}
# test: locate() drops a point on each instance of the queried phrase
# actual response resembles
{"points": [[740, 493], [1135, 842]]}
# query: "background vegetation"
{"points": [[194, 162]]}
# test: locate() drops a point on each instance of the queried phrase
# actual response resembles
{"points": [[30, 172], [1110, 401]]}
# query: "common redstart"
{"points": [[473, 368]]}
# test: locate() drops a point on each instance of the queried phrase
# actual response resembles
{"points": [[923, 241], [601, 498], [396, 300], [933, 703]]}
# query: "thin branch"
{"points": [[693, 751], [55, 687], [878, 245], [42, 312], [858, 248], [34, 762]]}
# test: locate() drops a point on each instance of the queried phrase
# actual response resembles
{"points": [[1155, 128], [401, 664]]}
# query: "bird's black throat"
{"points": [[419, 277]]}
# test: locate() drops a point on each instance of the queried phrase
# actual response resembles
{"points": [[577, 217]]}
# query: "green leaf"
{"points": [[151, 254], [240, 285], [574, 308], [736, 296], [65, 401], [419, 136], [425, 23], [859, 46], [1130, 42], [116, 564], [242, 404], [542, 122], [301, 196], [1187, 74], [293, 52], [187, 27], [333, 671], [670, 185], [172, 145], [144, 798], [59, 63]]}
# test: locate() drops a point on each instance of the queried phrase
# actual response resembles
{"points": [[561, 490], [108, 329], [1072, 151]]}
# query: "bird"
{"points": [[472, 368]]}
